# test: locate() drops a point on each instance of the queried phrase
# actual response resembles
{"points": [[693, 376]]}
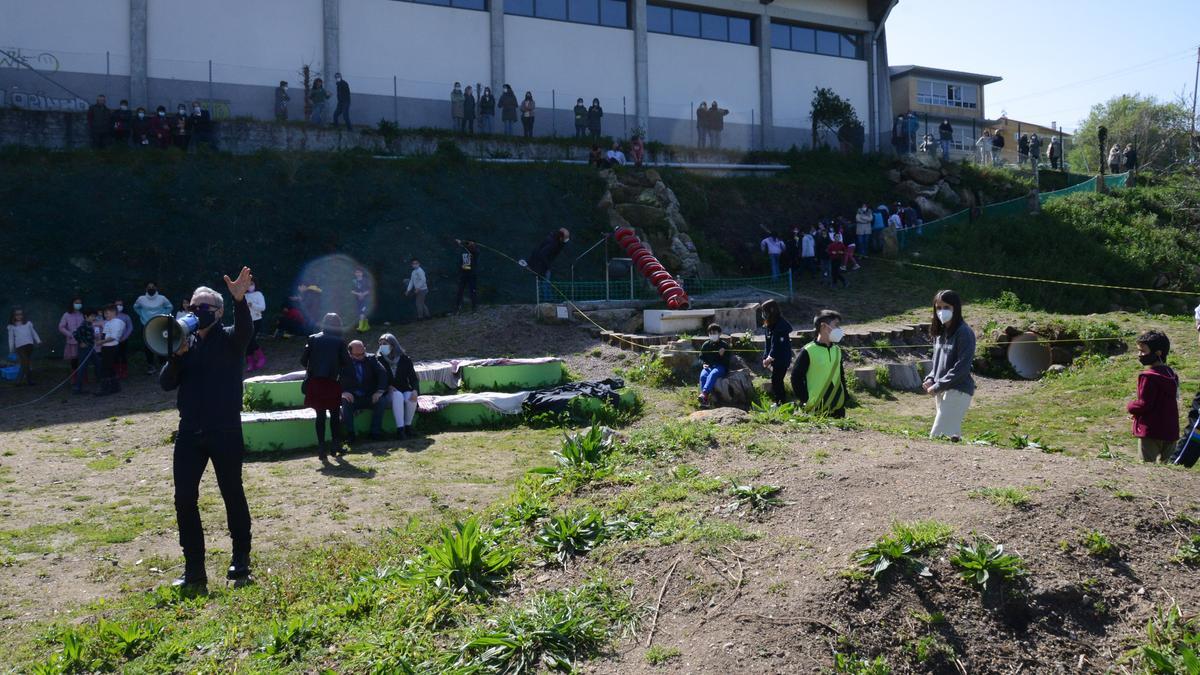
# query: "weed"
{"points": [[671, 438], [1172, 645], [929, 619], [852, 664], [252, 402], [760, 498], [1020, 441], [983, 561], [763, 411], [649, 370], [585, 453], [658, 654], [1188, 552], [552, 631], [525, 507], [819, 456], [1007, 300], [1015, 497], [287, 637], [569, 535], [902, 547], [986, 438], [464, 562], [1098, 545], [928, 648]]}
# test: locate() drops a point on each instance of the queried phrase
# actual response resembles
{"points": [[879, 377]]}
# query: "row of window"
{"points": [[692, 23], [815, 40], [678, 21], [932, 92], [614, 13]]}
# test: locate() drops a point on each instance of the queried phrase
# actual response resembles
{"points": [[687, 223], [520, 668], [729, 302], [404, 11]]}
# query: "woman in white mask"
{"points": [[403, 384], [819, 380], [950, 382]]}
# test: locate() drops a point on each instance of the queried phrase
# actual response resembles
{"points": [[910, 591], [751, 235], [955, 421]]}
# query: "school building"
{"points": [[649, 62], [936, 94]]}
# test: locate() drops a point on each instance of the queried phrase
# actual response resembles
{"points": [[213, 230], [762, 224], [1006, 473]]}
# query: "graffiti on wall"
{"points": [[39, 101], [15, 57]]}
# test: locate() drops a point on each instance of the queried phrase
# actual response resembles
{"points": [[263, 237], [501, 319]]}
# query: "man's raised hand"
{"points": [[239, 286]]}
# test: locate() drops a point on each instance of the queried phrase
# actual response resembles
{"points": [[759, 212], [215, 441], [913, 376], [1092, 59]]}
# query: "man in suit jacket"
{"points": [[364, 385]]}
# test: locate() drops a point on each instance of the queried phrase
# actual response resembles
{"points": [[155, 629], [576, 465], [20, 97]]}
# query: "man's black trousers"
{"points": [[192, 453]]}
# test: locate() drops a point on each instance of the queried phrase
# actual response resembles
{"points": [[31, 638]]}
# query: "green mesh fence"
{"points": [[1012, 207], [1118, 181]]}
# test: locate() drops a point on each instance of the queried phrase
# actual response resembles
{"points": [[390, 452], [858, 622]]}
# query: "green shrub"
{"points": [[982, 561], [573, 534], [649, 369], [760, 498], [463, 561]]}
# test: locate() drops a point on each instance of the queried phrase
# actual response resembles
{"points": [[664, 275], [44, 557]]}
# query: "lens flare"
{"points": [[328, 284]]}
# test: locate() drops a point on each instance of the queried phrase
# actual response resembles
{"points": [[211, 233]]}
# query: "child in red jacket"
{"points": [[1155, 411]]}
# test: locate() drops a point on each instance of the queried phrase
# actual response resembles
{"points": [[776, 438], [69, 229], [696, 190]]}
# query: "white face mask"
{"points": [[836, 335], [120, 308], [945, 315], [384, 350]]}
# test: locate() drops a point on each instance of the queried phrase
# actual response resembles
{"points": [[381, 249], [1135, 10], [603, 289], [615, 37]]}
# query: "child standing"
{"points": [[837, 261], [68, 324], [362, 297], [777, 352], [808, 253], [714, 355], [84, 339], [1155, 411], [819, 379], [22, 338], [255, 359], [110, 341], [418, 287]]}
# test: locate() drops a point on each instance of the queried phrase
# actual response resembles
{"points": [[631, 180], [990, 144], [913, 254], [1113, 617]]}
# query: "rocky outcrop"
{"points": [[933, 187], [641, 200]]}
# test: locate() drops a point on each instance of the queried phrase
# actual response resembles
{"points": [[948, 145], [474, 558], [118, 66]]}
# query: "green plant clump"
{"points": [[902, 548], [980, 562], [1098, 545], [464, 561], [760, 498]]}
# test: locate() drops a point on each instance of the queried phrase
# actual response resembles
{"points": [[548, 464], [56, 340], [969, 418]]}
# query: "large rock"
{"points": [[922, 175], [665, 195], [908, 190], [648, 218], [893, 175], [891, 245], [675, 218], [904, 377], [648, 197], [721, 416], [922, 160], [606, 201], [623, 194], [931, 210], [615, 220], [610, 178], [735, 389], [866, 378], [947, 195]]}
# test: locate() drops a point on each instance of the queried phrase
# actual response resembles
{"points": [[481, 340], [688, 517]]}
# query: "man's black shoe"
{"points": [[239, 567], [192, 581], [321, 452]]}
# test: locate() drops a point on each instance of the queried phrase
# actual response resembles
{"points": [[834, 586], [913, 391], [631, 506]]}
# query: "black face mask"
{"points": [[151, 292], [205, 317], [1148, 359]]}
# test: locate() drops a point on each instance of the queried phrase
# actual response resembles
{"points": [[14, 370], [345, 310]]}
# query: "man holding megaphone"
{"points": [[206, 366]]}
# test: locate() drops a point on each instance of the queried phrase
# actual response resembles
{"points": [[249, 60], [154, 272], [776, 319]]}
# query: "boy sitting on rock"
{"points": [[714, 355]]}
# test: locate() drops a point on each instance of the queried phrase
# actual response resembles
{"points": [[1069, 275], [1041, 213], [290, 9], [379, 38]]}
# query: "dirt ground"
{"points": [[87, 507], [778, 605], [87, 513]]}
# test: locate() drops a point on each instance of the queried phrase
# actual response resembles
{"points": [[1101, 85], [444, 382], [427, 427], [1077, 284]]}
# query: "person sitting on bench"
{"points": [[364, 386]]}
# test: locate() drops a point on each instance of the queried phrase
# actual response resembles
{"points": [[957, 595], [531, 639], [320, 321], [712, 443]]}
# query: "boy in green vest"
{"points": [[818, 379]]}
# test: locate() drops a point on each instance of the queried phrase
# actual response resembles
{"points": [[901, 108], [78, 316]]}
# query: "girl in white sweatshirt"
{"points": [[22, 338]]}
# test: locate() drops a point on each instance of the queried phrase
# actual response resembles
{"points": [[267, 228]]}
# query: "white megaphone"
{"points": [[163, 338]]}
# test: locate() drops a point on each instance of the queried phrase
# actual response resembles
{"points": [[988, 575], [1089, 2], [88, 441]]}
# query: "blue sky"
{"points": [[1057, 57]]}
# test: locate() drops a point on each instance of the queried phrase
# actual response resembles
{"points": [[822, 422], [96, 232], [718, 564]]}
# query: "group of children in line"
{"points": [[832, 246]]}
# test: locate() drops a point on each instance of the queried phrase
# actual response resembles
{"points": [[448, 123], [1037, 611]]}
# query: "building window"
{"points": [[816, 41], [932, 92], [613, 13], [461, 4], [692, 23]]}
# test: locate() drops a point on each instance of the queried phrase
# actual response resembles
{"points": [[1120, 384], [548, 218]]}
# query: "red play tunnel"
{"points": [[669, 289]]}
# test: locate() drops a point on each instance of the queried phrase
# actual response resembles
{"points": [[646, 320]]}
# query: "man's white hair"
{"points": [[205, 290]]}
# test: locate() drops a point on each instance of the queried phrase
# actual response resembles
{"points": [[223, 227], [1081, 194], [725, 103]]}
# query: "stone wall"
{"points": [[66, 130]]}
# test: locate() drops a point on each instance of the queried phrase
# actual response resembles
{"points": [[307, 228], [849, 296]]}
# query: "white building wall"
{"points": [[427, 48], [256, 42], [67, 35], [795, 74], [685, 71], [574, 60]]}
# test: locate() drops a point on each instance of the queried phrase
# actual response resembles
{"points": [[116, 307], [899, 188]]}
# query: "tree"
{"points": [[829, 111], [1159, 132]]}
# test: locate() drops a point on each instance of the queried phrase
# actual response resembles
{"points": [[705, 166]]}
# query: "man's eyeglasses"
{"points": [[202, 307]]}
